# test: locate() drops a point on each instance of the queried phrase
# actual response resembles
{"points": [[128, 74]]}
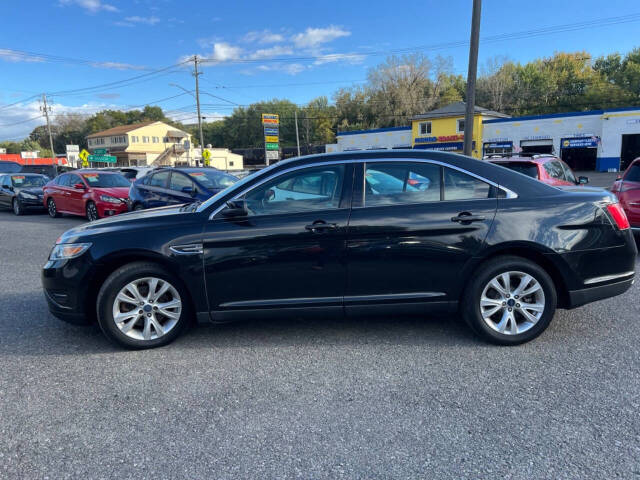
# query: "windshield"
{"points": [[27, 181], [213, 178], [236, 187], [106, 180], [528, 169]]}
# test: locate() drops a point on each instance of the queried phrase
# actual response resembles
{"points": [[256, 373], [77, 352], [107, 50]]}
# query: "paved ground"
{"points": [[383, 398], [600, 179]]}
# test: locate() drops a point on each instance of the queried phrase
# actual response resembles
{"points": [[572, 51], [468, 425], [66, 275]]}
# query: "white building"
{"points": [[603, 140], [387, 138], [222, 158]]}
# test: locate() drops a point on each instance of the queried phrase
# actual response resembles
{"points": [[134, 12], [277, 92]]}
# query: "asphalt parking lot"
{"points": [[381, 398]]}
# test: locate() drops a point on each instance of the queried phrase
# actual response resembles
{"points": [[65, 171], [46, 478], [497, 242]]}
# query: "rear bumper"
{"points": [[583, 296]]}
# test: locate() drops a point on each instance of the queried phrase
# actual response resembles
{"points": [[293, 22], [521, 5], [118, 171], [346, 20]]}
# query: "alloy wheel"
{"points": [[51, 207], [512, 302], [147, 308], [16, 206], [92, 212]]}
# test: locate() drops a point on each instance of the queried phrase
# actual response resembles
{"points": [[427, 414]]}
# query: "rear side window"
{"points": [[159, 179], [63, 180], [460, 186], [526, 168], [401, 183], [554, 169], [633, 175]]}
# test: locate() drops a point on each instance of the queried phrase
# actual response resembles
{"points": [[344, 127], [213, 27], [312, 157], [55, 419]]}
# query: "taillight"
{"points": [[618, 215]]}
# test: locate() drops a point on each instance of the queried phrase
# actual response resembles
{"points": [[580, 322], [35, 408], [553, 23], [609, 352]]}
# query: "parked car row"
{"points": [[98, 193]]}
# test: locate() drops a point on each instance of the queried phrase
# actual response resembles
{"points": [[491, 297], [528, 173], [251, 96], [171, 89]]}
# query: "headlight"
{"points": [[29, 195], [110, 199], [68, 250]]}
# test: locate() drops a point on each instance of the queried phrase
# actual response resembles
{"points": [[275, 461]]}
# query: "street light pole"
{"points": [[196, 74], [471, 77]]}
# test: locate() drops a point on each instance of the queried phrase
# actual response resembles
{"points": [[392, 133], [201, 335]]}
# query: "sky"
{"points": [[87, 55]]}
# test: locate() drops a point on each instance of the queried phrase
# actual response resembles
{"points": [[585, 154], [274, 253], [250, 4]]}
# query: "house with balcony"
{"points": [[144, 144]]}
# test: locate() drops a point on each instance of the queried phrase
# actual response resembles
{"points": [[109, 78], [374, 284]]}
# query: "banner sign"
{"points": [[270, 118], [271, 138], [588, 142], [499, 145], [271, 122], [271, 130], [444, 146]]}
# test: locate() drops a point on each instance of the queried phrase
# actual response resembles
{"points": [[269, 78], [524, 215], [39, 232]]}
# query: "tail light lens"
{"points": [[618, 215]]}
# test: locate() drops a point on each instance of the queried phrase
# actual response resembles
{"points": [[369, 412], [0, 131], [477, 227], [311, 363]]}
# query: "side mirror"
{"points": [[618, 178], [190, 190], [236, 208], [7, 186], [78, 186], [583, 180]]}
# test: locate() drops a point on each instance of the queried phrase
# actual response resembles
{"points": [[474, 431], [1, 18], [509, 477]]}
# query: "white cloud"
{"points": [[223, 52], [146, 20], [291, 69], [263, 37], [91, 6], [16, 56], [352, 58], [117, 66], [312, 37], [271, 52]]}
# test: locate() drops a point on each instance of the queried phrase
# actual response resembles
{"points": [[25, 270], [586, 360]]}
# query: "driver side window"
{"points": [[317, 188]]}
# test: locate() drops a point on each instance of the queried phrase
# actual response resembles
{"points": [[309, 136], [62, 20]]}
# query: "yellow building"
{"points": [[147, 143], [443, 128]]}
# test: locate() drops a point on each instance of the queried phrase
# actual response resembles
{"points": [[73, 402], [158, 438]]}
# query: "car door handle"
{"points": [[320, 226], [465, 217]]}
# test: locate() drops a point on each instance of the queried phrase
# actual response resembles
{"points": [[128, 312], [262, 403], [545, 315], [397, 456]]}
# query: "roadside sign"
{"points": [[271, 130], [272, 155], [271, 138], [99, 151], [270, 118], [272, 146], [84, 156], [102, 158]]}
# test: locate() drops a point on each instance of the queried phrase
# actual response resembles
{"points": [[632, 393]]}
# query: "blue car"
{"points": [[172, 186]]}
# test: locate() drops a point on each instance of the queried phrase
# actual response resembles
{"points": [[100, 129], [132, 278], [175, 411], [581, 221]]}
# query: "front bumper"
{"points": [[66, 289], [106, 209], [35, 203]]}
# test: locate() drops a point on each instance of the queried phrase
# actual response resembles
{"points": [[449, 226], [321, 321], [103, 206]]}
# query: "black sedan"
{"points": [[22, 191], [349, 234]]}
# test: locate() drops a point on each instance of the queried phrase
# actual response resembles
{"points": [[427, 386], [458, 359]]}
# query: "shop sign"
{"points": [[444, 146], [442, 138], [537, 137], [498, 145], [585, 142]]}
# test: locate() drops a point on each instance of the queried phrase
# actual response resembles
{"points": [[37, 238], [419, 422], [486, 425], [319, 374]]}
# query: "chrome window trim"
{"points": [[510, 194]]}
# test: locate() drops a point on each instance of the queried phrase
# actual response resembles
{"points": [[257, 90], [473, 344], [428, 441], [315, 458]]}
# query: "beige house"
{"points": [[147, 143]]}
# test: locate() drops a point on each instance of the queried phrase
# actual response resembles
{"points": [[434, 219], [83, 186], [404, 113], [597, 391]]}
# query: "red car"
{"points": [[90, 193], [627, 189], [546, 168]]}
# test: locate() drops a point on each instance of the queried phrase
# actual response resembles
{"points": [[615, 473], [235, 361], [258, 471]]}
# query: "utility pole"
{"points": [[196, 74], [44, 108], [471, 76], [295, 113]]}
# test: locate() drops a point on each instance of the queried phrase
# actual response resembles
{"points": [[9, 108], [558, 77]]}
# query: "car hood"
{"points": [[31, 190], [118, 192], [138, 223]]}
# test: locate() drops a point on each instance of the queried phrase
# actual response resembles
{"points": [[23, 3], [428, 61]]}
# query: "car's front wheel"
{"points": [[18, 209], [141, 305], [92, 212], [510, 300], [52, 209]]}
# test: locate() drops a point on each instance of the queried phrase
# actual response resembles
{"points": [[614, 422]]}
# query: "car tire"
{"points": [[92, 212], [503, 311], [52, 208], [134, 327], [18, 209], [137, 207]]}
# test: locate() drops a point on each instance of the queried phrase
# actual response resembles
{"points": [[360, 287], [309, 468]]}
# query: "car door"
{"points": [[74, 200], [5, 192], [60, 193], [177, 194], [156, 189], [629, 193], [288, 252], [407, 244]]}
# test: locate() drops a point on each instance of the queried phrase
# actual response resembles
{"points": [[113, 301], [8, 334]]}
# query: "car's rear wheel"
{"points": [[52, 209], [92, 212], [18, 209], [511, 300], [138, 206], [141, 305]]}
